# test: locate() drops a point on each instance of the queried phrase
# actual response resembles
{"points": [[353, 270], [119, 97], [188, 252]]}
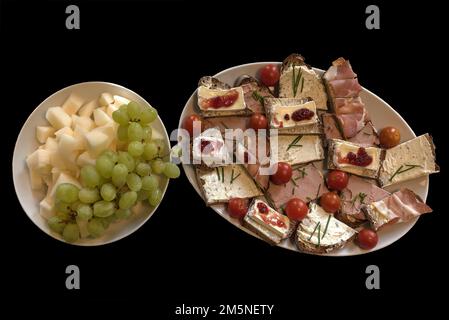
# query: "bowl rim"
{"points": [[14, 169]]}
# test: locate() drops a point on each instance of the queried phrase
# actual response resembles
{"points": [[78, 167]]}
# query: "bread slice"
{"points": [[298, 80], [270, 225], [319, 232], [340, 148], [212, 88], [409, 160], [279, 113], [220, 184]]}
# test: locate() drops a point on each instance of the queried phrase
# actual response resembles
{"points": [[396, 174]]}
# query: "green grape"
{"points": [[135, 132], [123, 213], [143, 169], [135, 148], [126, 159], [122, 133], [155, 197], [142, 195], [62, 206], [56, 224], [74, 206], [119, 174], [150, 183], [161, 148], [64, 215], [67, 192], [128, 199], [157, 166], [71, 232], [89, 195], [103, 208], [148, 115], [89, 176], [104, 166], [124, 107], [105, 222], [120, 116], [84, 212], [147, 133], [111, 155], [134, 182], [150, 151], [108, 191], [134, 110], [95, 227], [171, 170]]}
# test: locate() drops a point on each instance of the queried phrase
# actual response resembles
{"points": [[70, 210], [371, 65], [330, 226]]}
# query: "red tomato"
{"points": [[296, 209], [283, 173], [269, 75], [188, 123], [367, 239], [337, 180], [330, 202], [237, 208], [389, 137], [258, 121]]}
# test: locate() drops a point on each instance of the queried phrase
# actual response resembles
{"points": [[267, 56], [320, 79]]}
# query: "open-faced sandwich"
{"points": [[308, 167]]}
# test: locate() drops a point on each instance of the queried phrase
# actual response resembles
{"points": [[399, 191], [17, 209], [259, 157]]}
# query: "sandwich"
{"points": [[296, 150], [254, 93]]}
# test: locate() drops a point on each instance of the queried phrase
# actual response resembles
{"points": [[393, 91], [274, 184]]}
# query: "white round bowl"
{"points": [[26, 143]]}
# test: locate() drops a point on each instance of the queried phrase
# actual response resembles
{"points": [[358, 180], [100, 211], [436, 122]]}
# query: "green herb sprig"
{"points": [[404, 168]]}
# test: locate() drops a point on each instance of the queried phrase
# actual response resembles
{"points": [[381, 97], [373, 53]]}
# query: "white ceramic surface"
{"points": [[381, 114], [26, 143]]}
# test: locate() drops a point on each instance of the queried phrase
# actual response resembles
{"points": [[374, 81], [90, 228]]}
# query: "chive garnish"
{"points": [[316, 227], [401, 169], [303, 173], [361, 196], [222, 174], [232, 176], [327, 224], [259, 98], [319, 234], [294, 142], [218, 173], [293, 181], [302, 84], [224, 125], [295, 80], [318, 191]]}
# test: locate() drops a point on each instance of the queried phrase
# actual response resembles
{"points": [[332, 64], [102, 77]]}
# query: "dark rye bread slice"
{"points": [[312, 129], [213, 83]]}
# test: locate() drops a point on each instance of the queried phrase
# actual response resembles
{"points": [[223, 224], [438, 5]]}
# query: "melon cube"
{"points": [[58, 118]]}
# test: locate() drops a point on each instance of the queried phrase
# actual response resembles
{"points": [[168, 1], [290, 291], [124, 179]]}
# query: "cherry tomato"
{"points": [[389, 137], [296, 209], [367, 239], [188, 123], [337, 180], [283, 173], [330, 202], [269, 75], [237, 207], [258, 121]]}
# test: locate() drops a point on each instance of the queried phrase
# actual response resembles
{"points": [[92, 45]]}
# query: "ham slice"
{"points": [[358, 192], [307, 183], [253, 95], [344, 90], [340, 69], [401, 206], [330, 127]]}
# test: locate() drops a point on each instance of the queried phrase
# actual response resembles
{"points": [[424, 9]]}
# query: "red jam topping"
{"points": [[223, 101], [273, 219], [208, 146], [262, 207], [361, 159], [302, 114], [204, 144], [287, 117]]}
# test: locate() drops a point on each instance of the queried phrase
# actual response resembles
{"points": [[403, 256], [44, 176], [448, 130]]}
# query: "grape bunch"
{"points": [[118, 181]]}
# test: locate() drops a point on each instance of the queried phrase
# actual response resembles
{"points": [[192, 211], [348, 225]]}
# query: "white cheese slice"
{"points": [[281, 115], [320, 224], [217, 186], [307, 149], [273, 220], [206, 93], [409, 160], [342, 148], [313, 86]]}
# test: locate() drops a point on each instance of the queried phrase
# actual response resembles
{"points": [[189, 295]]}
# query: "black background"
{"points": [[186, 253]]}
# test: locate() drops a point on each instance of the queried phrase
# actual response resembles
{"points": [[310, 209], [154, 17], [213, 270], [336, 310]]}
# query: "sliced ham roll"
{"points": [[340, 69], [357, 193], [345, 88], [401, 206]]}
